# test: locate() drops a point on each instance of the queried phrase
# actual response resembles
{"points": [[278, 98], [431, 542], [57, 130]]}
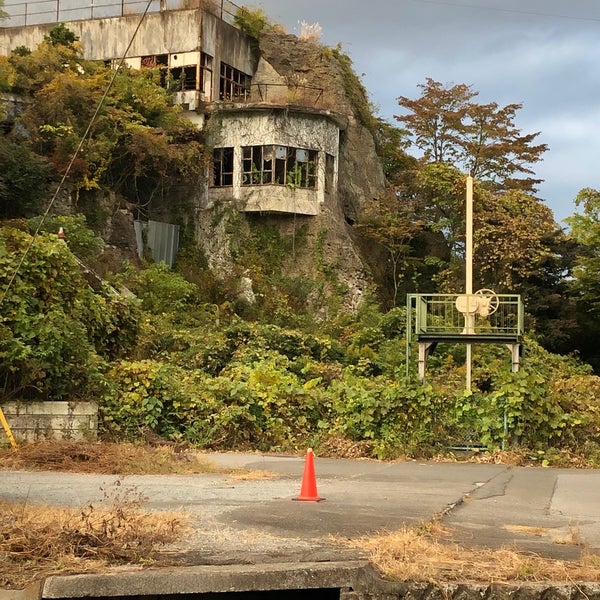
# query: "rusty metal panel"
{"points": [[162, 239]]}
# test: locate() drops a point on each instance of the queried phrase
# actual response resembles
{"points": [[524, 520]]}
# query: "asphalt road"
{"points": [[552, 512]]}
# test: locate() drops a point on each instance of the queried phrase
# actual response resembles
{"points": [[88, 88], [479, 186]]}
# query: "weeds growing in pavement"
{"points": [[37, 541]]}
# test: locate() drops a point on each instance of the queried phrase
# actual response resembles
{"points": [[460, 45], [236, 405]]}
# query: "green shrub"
{"points": [[53, 327], [161, 290], [80, 239]]}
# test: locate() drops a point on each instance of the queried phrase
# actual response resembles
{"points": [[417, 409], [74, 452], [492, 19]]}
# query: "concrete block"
{"points": [[31, 421]]}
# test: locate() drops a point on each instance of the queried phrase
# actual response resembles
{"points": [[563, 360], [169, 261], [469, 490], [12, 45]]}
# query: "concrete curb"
{"points": [[359, 576], [355, 580]]}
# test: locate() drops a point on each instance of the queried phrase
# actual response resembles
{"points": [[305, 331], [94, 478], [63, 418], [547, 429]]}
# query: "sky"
{"points": [[543, 54]]}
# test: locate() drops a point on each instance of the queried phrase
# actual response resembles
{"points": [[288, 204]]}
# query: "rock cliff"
{"points": [[329, 245]]}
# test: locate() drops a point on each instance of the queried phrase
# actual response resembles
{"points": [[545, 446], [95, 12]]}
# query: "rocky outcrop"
{"points": [[288, 63], [304, 62]]}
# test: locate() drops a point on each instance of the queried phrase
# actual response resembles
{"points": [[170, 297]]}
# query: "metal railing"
{"points": [[281, 93], [449, 315], [38, 12]]}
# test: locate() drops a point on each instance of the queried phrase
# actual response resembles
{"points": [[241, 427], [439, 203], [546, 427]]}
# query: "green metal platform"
{"points": [[463, 318]]}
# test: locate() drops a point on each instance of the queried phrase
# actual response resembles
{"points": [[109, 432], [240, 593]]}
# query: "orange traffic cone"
{"points": [[308, 492]]}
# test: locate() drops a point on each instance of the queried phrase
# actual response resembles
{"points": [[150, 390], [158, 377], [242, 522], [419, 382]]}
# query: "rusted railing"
{"points": [[38, 12], [281, 93]]}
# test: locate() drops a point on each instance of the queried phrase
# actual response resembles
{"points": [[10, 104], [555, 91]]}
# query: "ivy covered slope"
{"points": [[182, 357], [189, 370]]}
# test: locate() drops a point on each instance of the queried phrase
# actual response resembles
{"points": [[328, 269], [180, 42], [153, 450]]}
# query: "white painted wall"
{"points": [[267, 125]]}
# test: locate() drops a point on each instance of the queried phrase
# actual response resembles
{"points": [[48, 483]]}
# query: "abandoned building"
{"points": [[279, 132], [275, 150]]}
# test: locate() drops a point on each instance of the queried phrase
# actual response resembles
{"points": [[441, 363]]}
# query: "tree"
{"points": [[389, 225], [436, 119], [24, 178], [391, 144], [53, 328], [60, 35], [139, 144], [515, 238], [585, 283], [448, 126], [585, 231], [399, 224]]}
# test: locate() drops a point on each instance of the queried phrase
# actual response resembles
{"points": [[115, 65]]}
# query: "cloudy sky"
{"points": [[544, 54]]}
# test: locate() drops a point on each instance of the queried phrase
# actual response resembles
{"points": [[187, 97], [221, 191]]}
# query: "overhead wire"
{"points": [[78, 149], [507, 10]]}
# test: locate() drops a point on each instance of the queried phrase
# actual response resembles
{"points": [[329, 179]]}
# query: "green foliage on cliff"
{"points": [[137, 143], [252, 21], [55, 331]]}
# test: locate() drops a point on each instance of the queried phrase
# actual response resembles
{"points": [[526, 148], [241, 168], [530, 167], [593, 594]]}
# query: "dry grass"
{"points": [[106, 458], [38, 541], [423, 555]]}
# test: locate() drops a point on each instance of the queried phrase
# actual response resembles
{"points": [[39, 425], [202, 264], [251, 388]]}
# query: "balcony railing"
{"points": [[281, 93], [37, 12], [484, 316]]}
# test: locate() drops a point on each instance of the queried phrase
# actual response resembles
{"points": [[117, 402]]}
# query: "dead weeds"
{"points": [[104, 458], [38, 541], [424, 555]]}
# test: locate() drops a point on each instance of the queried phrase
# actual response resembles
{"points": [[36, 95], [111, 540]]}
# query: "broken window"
{"points": [[183, 78], [206, 73], [283, 165], [305, 169], [233, 84], [154, 61], [222, 167]]}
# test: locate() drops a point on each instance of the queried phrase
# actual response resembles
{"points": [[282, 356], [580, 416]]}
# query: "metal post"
{"points": [[469, 238], [7, 429], [469, 273]]}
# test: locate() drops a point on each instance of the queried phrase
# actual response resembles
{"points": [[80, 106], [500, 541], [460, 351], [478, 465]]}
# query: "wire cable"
{"points": [[507, 10], [75, 154]]}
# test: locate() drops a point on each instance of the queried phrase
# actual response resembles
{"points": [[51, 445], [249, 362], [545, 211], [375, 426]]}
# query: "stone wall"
{"points": [[31, 421]]}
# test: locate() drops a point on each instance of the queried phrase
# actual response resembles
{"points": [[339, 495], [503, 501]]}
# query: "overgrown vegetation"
{"points": [[38, 541], [191, 360], [252, 21], [201, 374], [195, 372]]}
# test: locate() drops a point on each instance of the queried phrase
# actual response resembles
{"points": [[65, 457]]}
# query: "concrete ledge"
{"points": [[351, 575], [356, 580]]}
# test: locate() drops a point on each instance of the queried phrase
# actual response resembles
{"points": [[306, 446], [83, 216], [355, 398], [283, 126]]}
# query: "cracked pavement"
{"points": [[552, 512]]}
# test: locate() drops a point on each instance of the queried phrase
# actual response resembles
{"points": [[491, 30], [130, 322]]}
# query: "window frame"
{"points": [[274, 164], [234, 85], [223, 167]]}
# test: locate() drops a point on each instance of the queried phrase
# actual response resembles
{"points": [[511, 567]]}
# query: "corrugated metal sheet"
{"points": [[162, 239]]}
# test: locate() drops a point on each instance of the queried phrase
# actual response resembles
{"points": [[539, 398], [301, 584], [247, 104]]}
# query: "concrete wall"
{"points": [[104, 39], [174, 32], [31, 421], [347, 580], [267, 125]]}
